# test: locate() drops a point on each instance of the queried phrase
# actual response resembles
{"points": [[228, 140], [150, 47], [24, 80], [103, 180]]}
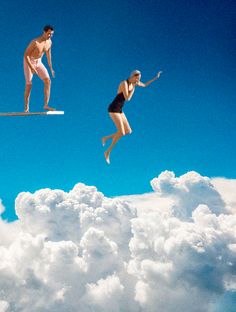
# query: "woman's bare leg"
{"points": [[117, 119], [127, 127], [105, 138]]}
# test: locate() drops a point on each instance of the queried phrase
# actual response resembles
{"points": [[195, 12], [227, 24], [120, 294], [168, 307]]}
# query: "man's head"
{"points": [[48, 31]]}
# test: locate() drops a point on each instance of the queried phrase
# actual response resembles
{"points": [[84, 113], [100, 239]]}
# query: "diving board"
{"points": [[32, 113]]}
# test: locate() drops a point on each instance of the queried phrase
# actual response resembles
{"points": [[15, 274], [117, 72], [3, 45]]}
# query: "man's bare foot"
{"points": [[103, 141], [107, 157], [49, 108]]}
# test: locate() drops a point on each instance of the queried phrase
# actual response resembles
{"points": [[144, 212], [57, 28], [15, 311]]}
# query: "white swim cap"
{"points": [[135, 72]]}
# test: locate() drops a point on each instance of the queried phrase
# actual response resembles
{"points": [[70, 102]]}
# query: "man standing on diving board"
{"points": [[33, 65]]}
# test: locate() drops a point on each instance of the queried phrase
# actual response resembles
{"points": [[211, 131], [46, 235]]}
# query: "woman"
{"points": [[125, 92]]}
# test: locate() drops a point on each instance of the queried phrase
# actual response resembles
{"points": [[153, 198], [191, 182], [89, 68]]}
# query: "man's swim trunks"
{"points": [[40, 68]]}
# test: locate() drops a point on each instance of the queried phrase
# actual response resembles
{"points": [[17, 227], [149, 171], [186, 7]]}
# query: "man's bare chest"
{"points": [[42, 47]]}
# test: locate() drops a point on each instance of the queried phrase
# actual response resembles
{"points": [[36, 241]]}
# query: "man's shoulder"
{"points": [[49, 42], [33, 41]]}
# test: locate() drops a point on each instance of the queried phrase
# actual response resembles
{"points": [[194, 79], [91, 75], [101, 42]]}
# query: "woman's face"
{"points": [[135, 78]]}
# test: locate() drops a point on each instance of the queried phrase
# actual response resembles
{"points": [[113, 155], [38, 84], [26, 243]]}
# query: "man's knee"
{"points": [[47, 81], [28, 86]]}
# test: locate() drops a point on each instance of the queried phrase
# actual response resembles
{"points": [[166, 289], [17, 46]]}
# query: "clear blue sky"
{"points": [[185, 121]]}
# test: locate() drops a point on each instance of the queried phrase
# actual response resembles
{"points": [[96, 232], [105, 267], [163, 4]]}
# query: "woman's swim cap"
{"points": [[135, 72]]}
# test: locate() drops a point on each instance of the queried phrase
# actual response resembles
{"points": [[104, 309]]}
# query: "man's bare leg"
{"points": [[47, 89], [28, 88]]}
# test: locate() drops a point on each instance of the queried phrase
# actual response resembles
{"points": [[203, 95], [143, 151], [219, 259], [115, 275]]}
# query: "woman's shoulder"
{"points": [[123, 83]]}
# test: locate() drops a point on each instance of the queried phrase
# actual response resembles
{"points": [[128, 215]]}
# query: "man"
{"points": [[33, 65]]}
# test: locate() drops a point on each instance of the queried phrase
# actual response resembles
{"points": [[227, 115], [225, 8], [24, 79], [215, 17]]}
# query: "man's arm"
{"points": [[49, 59], [28, 53], [141, 84]]}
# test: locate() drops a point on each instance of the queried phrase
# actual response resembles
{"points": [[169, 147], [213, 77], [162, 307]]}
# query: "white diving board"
{"points": [[32, 113]]}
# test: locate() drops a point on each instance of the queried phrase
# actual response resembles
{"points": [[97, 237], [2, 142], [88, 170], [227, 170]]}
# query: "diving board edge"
{"points": [[31, 113]]}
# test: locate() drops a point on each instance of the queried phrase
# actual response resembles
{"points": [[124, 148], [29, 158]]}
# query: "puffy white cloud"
{"points": [[188, 191], [106, 295], [80, 251], [183, 244], [3, 306], [227, 189], [64, 248]]}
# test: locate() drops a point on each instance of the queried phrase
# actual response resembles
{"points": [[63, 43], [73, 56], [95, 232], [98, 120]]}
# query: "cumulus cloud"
{"points": [[227, 188], [81, 251], [3, 306]]}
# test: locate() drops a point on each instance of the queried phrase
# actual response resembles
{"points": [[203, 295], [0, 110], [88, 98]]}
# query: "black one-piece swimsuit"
{"points": [[117, 104]]}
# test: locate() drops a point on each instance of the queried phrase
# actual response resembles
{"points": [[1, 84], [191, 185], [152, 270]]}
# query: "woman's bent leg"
{"points": [[117, 119]]}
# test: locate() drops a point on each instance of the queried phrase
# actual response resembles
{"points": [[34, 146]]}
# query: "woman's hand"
{"points": [[158, 74], [141, 84]]}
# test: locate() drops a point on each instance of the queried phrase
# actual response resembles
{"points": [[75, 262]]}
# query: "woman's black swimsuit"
{"points": [[117, 103]]}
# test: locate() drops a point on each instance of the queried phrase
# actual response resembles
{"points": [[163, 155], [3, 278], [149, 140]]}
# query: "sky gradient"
{"points": [[184, 121]]}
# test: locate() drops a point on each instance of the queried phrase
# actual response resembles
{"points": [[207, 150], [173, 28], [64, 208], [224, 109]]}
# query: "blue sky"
{"points": [[184, 121]]}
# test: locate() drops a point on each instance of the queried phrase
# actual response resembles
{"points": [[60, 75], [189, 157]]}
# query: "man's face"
{"points": [[49, 34]]}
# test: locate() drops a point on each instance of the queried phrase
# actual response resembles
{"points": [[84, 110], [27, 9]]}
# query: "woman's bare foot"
{"points": [[107, 157], [49, 108], [103, 141]]}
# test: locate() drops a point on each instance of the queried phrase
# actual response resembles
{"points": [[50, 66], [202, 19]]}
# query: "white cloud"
{"points": [[188, 191], [3, 306], [227, 189], [80, 251], [104, 295]]}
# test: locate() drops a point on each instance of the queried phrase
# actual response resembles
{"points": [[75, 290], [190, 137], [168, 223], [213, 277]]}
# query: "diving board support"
{"points": [[32, 113]]}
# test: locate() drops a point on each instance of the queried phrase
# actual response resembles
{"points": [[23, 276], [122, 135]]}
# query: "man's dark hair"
{"points": [[48, 27]]}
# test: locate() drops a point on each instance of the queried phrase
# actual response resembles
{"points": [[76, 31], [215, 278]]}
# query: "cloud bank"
{"points": [[171, 250]]}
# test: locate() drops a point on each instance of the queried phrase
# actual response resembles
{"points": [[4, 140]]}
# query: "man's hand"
{"points": [[53, 73], [34, 71]]}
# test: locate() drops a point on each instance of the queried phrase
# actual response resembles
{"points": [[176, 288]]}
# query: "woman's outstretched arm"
{"points": [[141, 84]]}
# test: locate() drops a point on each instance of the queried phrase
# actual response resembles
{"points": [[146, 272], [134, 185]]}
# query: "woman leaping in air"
{"points": [[125, 92]]}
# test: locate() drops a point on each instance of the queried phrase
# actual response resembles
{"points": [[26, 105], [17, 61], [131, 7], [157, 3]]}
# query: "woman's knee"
{"points": [[128, 131], [121, 132]]}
